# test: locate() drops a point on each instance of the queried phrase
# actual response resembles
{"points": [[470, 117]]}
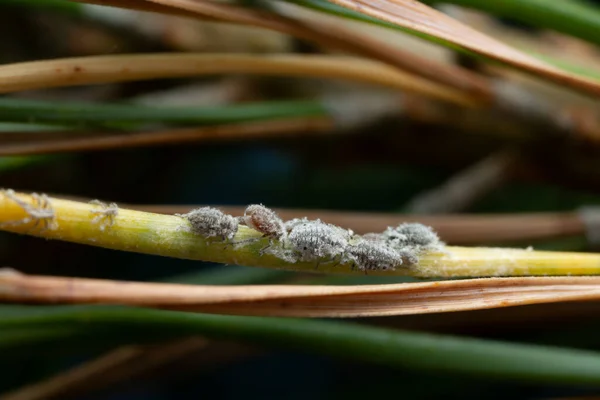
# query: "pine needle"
{"points": [[122, 68], [169, 235]]}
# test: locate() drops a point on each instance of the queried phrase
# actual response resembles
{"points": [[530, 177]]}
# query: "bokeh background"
{"points": [[379, 167]]}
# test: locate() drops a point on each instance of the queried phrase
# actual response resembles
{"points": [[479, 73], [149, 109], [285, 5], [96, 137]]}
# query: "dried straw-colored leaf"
{"points": [[418, 17], [327, 35], [121, 68], [141, 5], [303, 301]]}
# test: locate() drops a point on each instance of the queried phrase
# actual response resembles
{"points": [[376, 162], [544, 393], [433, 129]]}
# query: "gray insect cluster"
{"points": [[395, 246], [303, 240]]}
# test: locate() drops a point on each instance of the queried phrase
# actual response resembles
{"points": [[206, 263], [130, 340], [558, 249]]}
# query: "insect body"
{"points": [[292, 223], [264, 220], [211, 222], [412, 236], [374, 255], [315, 240]]}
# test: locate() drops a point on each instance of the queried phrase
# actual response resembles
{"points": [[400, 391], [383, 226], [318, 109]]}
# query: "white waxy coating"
{"points": [[412, 235], [314, 240], [374, 255], [211, 222]]}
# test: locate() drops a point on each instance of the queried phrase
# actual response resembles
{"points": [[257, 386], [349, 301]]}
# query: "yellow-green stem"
{"points": [[169, 235]]}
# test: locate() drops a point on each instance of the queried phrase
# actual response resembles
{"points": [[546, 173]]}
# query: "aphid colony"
{"points": [[306, 240]]}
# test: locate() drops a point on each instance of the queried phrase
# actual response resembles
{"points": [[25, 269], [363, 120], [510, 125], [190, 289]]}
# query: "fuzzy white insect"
{"points": [[265, 221], [409, 240], [292, 223], [106, 215], [316, 240], [412, 236], [374, 255], [39, 212], [211, 222]]}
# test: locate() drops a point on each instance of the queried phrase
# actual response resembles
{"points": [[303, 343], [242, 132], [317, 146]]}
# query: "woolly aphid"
{"points": [[374, 255], [411, 239], [211, 222], [412, 236], [264, 220], [316, 240], [292, 223]]}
